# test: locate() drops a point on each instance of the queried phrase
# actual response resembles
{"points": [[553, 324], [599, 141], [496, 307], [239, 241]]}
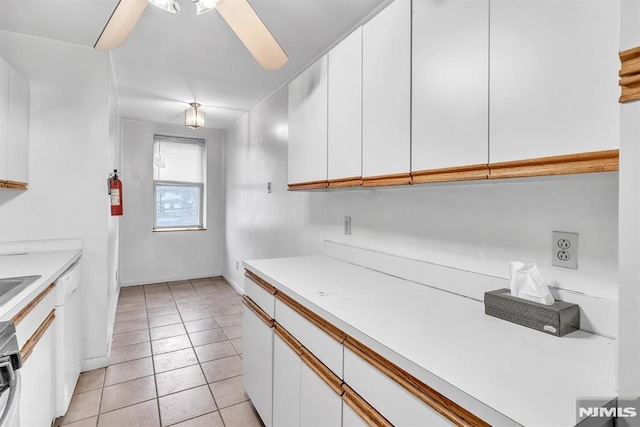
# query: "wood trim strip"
{"points": [[322, 371], [458, 173], [630, 53], [629, 75], [31, 343], [32, 304], [15, 185], [288, 339], [363, 409], [596, 161], [257, 311], [311, 185], [318, 321], [354, 181], [260, 282], [386, 180], [444, 406]]}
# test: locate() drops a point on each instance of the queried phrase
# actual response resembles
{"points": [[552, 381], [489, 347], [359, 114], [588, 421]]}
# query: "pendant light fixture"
{"points": [[194, 116], [204, 6]]}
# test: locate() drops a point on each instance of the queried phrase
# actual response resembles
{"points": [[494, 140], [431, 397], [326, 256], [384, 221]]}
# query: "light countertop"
{"points": [[47, 264], [447, 341]]}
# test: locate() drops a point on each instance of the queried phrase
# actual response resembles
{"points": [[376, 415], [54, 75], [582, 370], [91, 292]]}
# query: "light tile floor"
{"points": [[176, 360]]}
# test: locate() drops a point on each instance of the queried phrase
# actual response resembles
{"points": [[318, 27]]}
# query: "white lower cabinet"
{"points": [[320, 406], [257, 365], [350, 418], [393, 402], [286, 385], [38, 398]]}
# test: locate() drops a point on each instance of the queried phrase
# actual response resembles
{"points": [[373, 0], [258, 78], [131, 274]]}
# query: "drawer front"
{"points": [[396, 404], [29, 318], [319, 343], [259, 295]]}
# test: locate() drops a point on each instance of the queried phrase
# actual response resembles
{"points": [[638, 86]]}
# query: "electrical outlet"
{"points": [[564, 249], [237, 265], [347, 225], [269, 187]]}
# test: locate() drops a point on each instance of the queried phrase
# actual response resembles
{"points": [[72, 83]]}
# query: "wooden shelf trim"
{"points": [[288, 339], [31, 343], [596, 161], [354, 181], [15, 185], [386, 180], [630, 75], [260, 282], [362, 408], [311, 185], [458, 173], [32, 304], [322, 324], [445, 407], [262, 315], [322, 371]]}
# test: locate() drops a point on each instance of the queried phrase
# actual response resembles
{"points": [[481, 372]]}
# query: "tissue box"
{"points": [[558, 319]]}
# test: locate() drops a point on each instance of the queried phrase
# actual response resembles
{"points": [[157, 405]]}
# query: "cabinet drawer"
{"points": [[390, 399], [260, 292], [29, 318], [318, 342]]}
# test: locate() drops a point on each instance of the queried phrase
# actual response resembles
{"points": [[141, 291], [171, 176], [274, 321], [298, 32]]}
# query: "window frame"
{"points": [[201, 186]]}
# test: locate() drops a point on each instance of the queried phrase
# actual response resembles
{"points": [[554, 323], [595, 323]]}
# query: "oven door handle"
{"points": [[11, 411]]}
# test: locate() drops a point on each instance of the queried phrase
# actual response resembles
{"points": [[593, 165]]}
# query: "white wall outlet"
{"points": [[347, 225], [269, 187], [237, 265], [564, 249]]}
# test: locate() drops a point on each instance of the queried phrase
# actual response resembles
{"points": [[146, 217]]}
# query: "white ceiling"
{"points": [[170, 60]]}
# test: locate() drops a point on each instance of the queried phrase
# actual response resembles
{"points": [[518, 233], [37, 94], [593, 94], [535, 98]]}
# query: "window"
{"points": [[178, 183]]}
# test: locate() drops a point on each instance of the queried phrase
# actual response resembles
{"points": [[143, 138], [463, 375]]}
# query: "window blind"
{"points": [[178, 159]]}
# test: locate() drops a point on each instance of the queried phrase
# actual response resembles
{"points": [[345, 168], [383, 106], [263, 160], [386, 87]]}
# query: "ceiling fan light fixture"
{"points": [[204, 6], [194, 116], [166, 5]]}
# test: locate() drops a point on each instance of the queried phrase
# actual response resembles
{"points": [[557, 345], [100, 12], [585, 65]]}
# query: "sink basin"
{"points": [[11, 286]]}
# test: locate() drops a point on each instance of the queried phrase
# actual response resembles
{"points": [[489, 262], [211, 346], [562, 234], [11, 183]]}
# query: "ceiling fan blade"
{"points": [[250, 29], [124, 17]]}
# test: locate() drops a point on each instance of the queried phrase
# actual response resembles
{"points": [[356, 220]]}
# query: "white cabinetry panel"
{"points": [[257, 363], [18, 131], [286, 385], [450, 83], [554, 87], [308, 124], [345, 108], [4, 117], [350, 418], [320, 406], [386, 91], [264, 299]]}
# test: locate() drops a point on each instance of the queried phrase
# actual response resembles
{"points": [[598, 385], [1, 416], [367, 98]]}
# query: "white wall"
{"points": [[148, 256], [68, 163], [476, 227]]}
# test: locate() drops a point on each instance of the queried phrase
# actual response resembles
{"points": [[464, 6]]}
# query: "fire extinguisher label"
{"points": [[115, 196]]}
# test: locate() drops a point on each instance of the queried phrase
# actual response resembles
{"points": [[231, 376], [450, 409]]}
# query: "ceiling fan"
{"points": [[239, 14]]}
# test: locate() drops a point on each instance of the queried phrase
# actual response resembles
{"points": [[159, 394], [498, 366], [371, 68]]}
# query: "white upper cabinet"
{"points": [[18, 131], [386, 91], [554, 87], [450, 83], [4, 117], [308, 125], [345, 108]]}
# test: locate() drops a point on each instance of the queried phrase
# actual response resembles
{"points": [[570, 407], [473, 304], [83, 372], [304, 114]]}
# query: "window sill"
{"points": [[164, 230]]}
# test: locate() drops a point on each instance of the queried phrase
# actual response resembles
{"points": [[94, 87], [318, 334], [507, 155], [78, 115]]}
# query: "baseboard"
{"points": [[238, 289], [95, 363], [129, 283]]}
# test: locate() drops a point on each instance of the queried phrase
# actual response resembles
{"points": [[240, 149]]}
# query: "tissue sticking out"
{"points": [[527, 283]]}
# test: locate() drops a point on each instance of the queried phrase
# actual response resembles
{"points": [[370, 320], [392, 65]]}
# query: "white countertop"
{"points": [[530, 377], [47, 264]]}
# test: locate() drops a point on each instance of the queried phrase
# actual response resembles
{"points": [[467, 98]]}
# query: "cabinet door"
{"points": [[257, 363], [345, 108], [4, 118], [450, 84], [554, 87], [350, 418], [286, 385], [320, 406], [386, 91], [18, 130], [37, 400], [308, 125]]}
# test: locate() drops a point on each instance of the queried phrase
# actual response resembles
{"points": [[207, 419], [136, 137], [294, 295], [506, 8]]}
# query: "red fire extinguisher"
{"points": [[115, 193]]}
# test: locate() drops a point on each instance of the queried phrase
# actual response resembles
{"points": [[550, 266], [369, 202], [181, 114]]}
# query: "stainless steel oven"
{"points": [[10, 363]]}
